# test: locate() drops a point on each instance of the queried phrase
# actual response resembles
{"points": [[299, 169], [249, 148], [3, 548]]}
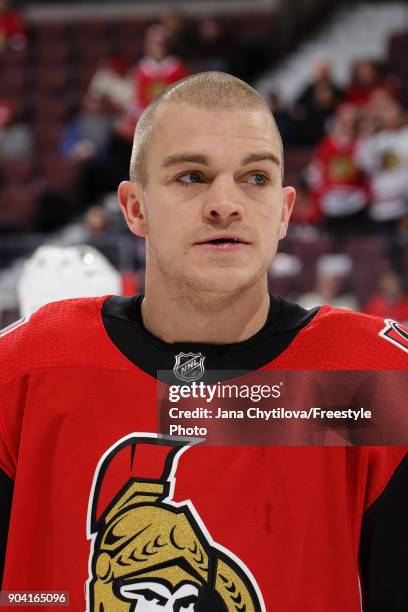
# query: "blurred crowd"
{"points": [[356, 180], [352, 186], [69, 140], [347, 154]]}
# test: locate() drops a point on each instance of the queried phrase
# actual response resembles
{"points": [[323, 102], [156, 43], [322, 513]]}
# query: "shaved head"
{"points": [[207, 90]]}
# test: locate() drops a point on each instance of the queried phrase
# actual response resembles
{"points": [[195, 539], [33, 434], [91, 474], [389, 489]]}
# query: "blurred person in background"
{"points": [[332, 284], [306, 214], [111, 84], [87, 140], [284, 119], [88, 134], [367, 76], [12, 28], [339, 188], [158, 68], [391, 299], [93, 226], [212, 47], [316, 105], [383, 155], [183, 34], [16, 138]]}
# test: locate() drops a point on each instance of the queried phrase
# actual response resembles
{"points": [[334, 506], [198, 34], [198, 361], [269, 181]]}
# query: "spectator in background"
{"points": [[382, 111], [306, 213], [157, 69], [316, 105], [120, 149], [12, 28], [384, 157], [338, 186], [212, 47], [332, 274], [182, 34], [366, 78], [150, 77], [88, 134], [96, 224], [16, 139], [391, 299], [112, 84], [284, 119], [87, 140]]}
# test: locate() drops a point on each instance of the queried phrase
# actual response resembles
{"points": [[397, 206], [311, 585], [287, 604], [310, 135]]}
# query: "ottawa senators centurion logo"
{"points": [[150, 553]]}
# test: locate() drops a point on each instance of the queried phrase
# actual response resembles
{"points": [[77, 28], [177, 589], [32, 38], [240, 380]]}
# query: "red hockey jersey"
{"points": [[338, 185], [124, 520], [152, 78]]}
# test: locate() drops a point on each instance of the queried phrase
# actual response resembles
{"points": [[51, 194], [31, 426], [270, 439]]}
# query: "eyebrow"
{"points": [[179, 158], [255, 157], [196, 158]]}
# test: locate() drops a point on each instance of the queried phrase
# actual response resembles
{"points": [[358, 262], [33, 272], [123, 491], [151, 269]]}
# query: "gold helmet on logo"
{"points": [[150, 553]]}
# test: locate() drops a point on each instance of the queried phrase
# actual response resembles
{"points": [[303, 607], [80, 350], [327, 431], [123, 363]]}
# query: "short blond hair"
{"points": [[208, 90]]}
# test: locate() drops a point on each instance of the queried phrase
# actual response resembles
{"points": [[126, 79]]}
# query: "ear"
{"points": [[289, 196], [131, 202]]}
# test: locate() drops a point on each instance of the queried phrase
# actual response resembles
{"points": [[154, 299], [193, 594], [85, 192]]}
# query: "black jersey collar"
{"points": [[122, 319]]}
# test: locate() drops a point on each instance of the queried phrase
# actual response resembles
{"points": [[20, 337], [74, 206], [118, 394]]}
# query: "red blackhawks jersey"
{"points": [[339, 186], [103, 508], [152, 77]]}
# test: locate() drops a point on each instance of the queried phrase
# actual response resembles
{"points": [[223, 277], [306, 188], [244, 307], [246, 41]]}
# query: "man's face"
{"points": [[214, 207]]}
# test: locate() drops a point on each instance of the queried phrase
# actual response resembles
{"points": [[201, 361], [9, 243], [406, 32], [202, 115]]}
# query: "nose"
{"points": [[222, 200]]}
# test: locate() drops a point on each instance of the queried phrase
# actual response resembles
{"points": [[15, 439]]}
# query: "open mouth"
{"points": [[225, 241]]}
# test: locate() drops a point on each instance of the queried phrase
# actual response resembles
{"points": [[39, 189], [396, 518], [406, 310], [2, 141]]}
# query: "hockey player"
{"points": [[104, 506]]}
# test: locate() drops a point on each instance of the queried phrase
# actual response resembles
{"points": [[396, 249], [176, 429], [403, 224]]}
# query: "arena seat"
{"points": [[60, 171], [91, 30], [309, 252], [52, 109], [132, 28], [14, 60], [52, 79], [51, 31], [52, 52], [48, 137], [13, 81], [17, 207], [363, 249], [93, 50], [18, 171]]}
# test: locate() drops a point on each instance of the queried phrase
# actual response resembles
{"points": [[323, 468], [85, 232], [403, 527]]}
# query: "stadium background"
{"points": [[75, 76]]}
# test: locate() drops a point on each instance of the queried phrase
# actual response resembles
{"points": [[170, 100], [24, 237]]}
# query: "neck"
{"points": [[206, 317]]}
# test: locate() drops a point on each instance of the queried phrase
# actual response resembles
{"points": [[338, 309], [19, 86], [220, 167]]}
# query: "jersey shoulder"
{"points": [[58, 334], [361, 341]]}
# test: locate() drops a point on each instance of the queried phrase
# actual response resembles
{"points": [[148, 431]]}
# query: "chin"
{"points": [[224, 281]]}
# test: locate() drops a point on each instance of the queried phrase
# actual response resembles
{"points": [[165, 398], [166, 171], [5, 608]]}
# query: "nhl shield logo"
{"points": [[189, 366]]}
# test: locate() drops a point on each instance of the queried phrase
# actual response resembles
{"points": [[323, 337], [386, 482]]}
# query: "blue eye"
{"points": [[189, 178], [258, 179]]}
